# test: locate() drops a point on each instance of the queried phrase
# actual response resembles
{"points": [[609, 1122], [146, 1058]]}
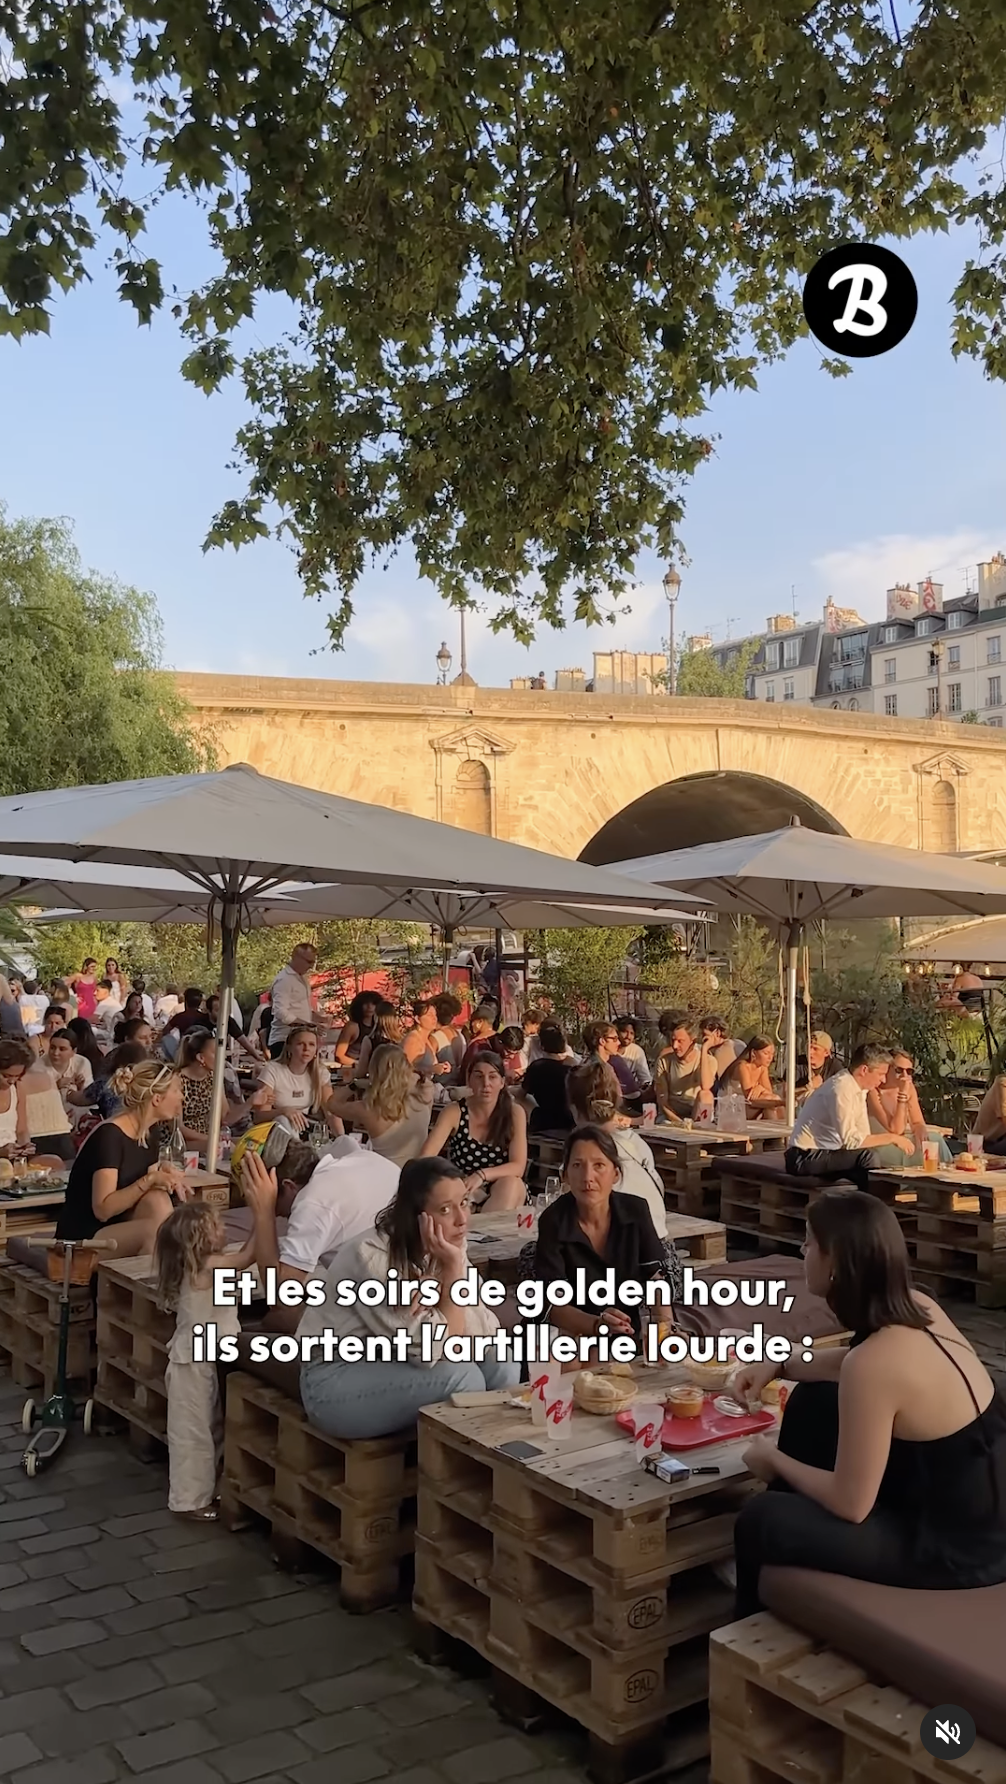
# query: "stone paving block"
{"points": [[173, 1703], [266, 1753], [180, 1740], [119, 1650], [118, 1686], [348, 1641], [369, 1684], [42, 1506], [250, 1589], [505, 1758], [157, 1614], [29, 1709], [327, 1734], [52, 1540], [410, 1708], [186, 1771], [162, 1585], [76, 1731], [28, 1525], [433, 1741], [304, 1603], [206, 1626], [100, 1767], [92, 1604], [247, 1678], [28, 1674], [355, 1765], [15, 1750], [63, 1635], [420, 1774], [137, 1523], [115, 1570], [33, 1616], [18, 1598], [258, 1715], [222, 1549], [177, 1666], [11, 1575], [46, 1567]]}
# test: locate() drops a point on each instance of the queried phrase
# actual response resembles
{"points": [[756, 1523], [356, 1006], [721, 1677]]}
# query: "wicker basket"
{"points": [[587, 1401], [82, 1267]]}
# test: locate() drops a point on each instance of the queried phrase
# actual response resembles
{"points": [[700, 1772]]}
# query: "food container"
{"points": [[685, 1402]]}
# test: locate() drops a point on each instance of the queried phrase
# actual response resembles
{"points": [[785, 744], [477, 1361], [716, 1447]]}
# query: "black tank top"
{"points": [[951, 1492]]}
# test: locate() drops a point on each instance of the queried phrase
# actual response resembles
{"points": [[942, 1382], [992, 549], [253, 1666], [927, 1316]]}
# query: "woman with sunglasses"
{"points": [[894, 1108]]}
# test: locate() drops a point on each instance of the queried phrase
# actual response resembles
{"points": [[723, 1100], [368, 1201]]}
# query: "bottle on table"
{"points": [[172, 1148]]}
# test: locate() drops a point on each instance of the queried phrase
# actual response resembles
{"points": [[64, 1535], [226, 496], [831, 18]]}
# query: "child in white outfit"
{"points": [[188, 1248]]}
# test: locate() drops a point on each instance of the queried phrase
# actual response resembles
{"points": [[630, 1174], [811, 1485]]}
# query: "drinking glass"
{"points": [[553, 1188]]}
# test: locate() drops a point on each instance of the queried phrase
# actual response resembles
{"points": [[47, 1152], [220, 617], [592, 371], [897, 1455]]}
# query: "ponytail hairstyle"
{"points": [[140, 1086], [593, 1093]]}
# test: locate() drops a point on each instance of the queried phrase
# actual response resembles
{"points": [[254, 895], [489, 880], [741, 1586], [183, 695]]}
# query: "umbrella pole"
{"points": [[230, 917], [793, 940]]}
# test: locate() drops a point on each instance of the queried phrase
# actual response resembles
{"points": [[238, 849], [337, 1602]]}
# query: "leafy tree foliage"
{"points": [[700, 673], [524, 244], [83, 698]]}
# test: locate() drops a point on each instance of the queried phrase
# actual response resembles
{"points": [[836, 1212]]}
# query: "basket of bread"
{"points": [[605, 1392]]}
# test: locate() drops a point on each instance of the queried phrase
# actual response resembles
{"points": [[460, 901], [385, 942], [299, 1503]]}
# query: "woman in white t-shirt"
{"points": [[300, 1085]]}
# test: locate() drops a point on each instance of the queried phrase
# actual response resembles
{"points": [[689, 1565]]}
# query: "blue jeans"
{"points": [[376, 1399]]}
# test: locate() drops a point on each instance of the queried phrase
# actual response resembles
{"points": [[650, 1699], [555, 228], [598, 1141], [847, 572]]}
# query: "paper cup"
{"points": [[192, 1161], [930, 1155], [525, 1220], [976, 1145], [647, 1425], [544, 1380], [559, 1411], [650, 1114]]}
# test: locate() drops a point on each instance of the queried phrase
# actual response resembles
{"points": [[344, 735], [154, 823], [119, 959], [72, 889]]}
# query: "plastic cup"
{"points": [[192, 1161], [976, 1145], [525, 1220], [931, 1156], [559, 1411], [650, 1114]]}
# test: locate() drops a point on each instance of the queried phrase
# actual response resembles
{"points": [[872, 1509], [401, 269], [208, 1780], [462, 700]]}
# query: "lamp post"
{"points": [[672, 588], [444, 661]]}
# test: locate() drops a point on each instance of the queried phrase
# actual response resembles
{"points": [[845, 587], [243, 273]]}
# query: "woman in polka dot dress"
{"points": [[486, 1137]]}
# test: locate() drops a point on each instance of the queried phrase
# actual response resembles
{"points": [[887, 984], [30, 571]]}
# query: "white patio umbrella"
{"points": [[984, 941], [138, 894], [794, 876], [237, 834]]}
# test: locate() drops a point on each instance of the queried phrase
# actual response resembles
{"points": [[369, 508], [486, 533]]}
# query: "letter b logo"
{"points": [[860, 300]]}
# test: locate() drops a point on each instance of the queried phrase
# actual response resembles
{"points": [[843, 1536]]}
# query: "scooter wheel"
{"points": [[88, 1417], [28, 1415], [29, 1462]]}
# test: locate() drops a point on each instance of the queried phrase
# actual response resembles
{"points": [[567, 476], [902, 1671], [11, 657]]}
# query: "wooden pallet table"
{"points": [[351, 1501], [211, 1186], [29, 1330], [582, 1580], [25, 1217], [133, 1337], [784, 1706], [958, 1236], [774, 1211]]}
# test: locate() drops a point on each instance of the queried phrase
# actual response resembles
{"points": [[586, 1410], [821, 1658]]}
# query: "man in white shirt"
{"points": [[34, 1003], [168, 1004], [291, 996], [832, 1135], [342, 1198], [107, 1010]]}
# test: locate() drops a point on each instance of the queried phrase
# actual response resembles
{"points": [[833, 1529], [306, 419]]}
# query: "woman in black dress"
{"points": [[891, 1457], [116, 1180]]}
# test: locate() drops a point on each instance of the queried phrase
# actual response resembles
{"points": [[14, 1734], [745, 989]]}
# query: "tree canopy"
{"points": [[83, 698], [523, 245], [700, 673]]}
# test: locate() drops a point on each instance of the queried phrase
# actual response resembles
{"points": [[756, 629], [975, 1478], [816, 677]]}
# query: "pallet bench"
{"points": [[785, 1705], [133, 1335], [587, 1585], [23, 1217], [29, 1330], [351, 1501], [761, 1200], [958, 1232]]}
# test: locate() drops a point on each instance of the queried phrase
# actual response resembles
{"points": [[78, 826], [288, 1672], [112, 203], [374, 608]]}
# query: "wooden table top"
{"points": [[707, 1136], [497, 1237], [960, 1180], [597, 1463]]}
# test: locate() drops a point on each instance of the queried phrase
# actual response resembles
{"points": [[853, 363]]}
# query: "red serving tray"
{"points": [[710, 1427]]}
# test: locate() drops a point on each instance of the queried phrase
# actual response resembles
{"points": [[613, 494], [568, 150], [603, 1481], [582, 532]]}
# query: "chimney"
{"points": [[780, 622]]}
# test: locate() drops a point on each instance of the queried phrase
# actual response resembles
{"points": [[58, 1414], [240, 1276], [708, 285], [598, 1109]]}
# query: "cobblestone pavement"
{"points": [[133, 1644]]}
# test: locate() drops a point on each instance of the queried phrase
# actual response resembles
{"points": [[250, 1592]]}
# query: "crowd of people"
{"points": [[392, 1129]]}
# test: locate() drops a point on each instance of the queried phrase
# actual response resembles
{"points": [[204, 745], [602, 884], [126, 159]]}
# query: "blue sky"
{"points": [[839, 487]]}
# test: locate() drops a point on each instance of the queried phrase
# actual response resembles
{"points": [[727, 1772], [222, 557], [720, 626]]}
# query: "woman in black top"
{"points": [[116, 1180], [544, 1083], [595, 1229], [892, 1454]]}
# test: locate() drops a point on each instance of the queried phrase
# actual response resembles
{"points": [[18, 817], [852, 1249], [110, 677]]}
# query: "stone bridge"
{"points": [[608, 777]]}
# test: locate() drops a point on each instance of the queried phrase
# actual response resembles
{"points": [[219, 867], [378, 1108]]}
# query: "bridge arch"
{"points": [[698, 808]]}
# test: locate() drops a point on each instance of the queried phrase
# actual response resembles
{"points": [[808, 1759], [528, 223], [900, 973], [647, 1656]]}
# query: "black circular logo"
{"points": [[948, 1731], [860, 300]]}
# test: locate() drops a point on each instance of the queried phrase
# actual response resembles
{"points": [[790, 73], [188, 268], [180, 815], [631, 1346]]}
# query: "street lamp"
{"points": [[672, 588], [444, 661]]}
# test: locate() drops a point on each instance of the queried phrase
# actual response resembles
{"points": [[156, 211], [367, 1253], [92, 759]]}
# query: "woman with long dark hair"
{"points": [[485, 1135], [750, 1075], [357, 1028], [85, 1042], [387, 1032], [422, 1237], [891, 1457]]}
